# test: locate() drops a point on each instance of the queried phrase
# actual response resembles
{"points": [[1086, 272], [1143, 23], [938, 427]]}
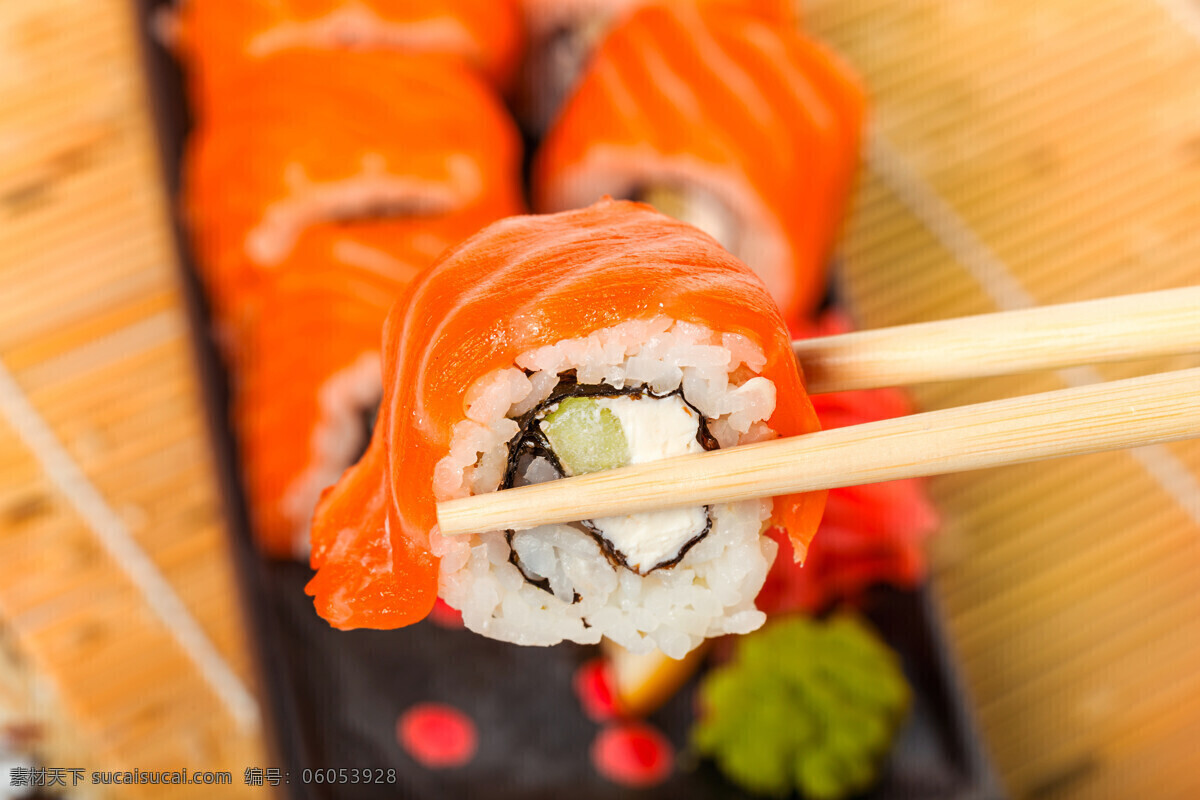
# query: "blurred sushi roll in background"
{"points": [[306, 377], [313, 137], [563, 34], [551, 346], [680, 106], [216, 39], [339, 149], [306, 368]]}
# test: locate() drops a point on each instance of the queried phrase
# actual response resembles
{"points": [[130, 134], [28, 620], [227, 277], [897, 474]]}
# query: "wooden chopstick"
{"points": [[1089, 419], [1047, 337]]}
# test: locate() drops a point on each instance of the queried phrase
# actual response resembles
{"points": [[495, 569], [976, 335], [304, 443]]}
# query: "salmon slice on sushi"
{"points": [[563, 34], [747, 129], [219, 39], [551, 346], [314, 137]]}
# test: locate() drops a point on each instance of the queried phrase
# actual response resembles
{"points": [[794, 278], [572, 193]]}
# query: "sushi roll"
{"points": [[306, 367], [312, 137], [219, 39], [549, 346], [747, 129], [564, 33]]}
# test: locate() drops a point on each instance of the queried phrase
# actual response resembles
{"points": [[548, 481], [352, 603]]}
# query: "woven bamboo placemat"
{"points": [[1027, 153], [115, 584]]}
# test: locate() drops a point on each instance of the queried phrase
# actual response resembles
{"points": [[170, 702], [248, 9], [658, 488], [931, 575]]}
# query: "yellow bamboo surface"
{"points": [[97, 370], [1029, 153]]}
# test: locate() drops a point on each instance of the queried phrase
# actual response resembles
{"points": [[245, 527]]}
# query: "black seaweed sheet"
{"points": [[334, 697]]}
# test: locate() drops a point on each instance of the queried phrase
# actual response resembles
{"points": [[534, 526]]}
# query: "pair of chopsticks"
{"points": [[1088, 419]]}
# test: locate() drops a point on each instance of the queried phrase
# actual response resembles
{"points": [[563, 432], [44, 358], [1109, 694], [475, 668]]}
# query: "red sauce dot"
{"points": [[445, 616], [594, 687], [437, 736], [633, 754]]}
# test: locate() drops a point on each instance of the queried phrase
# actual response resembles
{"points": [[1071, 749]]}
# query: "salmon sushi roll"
{"points": [[746, 129], [551, 346], [306, 366], [219, 39], [564, 33], [314, 137]]}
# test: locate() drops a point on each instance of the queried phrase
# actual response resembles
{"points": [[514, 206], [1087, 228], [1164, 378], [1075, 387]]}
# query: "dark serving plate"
{"points": [[334, 697]]}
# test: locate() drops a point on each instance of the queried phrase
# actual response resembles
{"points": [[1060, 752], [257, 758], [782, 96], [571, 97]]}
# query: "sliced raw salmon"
{"points": [[315, 137], [304, 354], [745, 127], [219, 39]]}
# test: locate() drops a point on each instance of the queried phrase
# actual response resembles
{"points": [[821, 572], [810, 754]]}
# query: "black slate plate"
{"points": [[334, 697], [348, 688]]}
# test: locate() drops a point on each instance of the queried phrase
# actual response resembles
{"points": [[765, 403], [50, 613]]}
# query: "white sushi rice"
{"points": [[710, 592]]}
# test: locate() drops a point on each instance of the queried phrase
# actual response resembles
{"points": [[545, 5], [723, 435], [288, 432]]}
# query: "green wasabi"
{"points": [[806, 705]]}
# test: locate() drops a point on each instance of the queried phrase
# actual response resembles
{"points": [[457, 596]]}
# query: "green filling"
{"points": [[585, 436], [807, 705], [670, 200]]}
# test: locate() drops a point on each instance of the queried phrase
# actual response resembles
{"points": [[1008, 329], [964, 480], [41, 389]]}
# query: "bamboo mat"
{"points": [[1026, 153], [116, 591]]}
